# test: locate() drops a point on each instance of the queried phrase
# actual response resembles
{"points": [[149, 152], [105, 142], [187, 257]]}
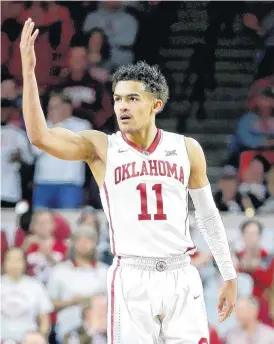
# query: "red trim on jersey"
{"points": [[151, 148], [112, 305], [110, 220]]}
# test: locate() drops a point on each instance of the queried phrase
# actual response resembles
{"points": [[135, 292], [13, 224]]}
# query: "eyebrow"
{"points": [[127, 95]]}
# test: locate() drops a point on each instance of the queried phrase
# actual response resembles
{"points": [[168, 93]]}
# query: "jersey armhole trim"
{"points": [[106, 169]]}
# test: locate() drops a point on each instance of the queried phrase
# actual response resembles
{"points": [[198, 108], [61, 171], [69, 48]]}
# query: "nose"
{"points": [[123, 106], [124, 109]]}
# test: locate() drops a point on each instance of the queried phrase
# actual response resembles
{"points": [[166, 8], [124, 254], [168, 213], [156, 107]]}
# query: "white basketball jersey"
{"points": [[145, 196]]}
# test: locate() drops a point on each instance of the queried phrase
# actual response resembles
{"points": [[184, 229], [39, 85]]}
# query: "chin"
{"points": [[125, 129]]}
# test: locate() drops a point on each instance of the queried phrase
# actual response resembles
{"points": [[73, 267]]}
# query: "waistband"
{"points": [[153, 264]]}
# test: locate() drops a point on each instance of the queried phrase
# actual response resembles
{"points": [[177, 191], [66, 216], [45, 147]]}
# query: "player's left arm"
{"points": [[211, 226]]}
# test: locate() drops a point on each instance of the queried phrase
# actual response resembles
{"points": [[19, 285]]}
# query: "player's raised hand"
{"points": [[28, 38], [227, 299]]}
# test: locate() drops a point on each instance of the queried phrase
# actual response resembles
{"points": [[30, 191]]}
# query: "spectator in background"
{"points": [[94, 327], [258, 263], [14, 152], [253, 186], [4, 246], [34, 338], [89, 97], [72, 282], [120, 28], [43, 251], [265, 32], [256, 128], [228, 198], [55, 32], [25, 303], [89, 217], [59, 183], [268, 206], [249, 329], [252, 255], [260, 87], [99, 55]]}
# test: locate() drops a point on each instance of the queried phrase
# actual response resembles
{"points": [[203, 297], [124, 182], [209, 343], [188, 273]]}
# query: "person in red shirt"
{"points": [[42, 249], [214, 337], [89, 97], [257, 262]]}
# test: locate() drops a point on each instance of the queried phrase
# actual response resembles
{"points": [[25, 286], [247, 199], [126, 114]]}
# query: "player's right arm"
{"points": [[59, 142]]}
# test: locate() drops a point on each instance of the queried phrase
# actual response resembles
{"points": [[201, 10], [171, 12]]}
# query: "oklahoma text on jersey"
{"points": [[148, 168]]}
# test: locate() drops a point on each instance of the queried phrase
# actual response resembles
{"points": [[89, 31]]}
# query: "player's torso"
{"points": [[145, 196]]}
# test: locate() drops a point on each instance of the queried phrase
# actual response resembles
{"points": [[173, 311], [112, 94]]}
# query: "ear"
{"points": [[158, 105]]}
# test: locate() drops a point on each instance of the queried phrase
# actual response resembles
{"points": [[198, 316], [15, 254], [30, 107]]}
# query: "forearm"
{"points": [[44, 324], [211, 226], [60, 304], [32, 111]]}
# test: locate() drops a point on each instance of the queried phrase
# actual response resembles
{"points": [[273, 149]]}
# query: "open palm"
{"points": [[28, 38]]}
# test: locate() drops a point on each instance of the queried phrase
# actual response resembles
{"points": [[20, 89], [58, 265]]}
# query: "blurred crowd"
{"points": [[247, 183], [54, 275]]}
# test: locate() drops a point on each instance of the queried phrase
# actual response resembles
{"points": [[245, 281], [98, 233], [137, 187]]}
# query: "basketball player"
{"points": [[144, 175]]}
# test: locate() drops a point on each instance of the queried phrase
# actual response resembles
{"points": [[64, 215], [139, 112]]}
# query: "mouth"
{"points": [[125, 117]]}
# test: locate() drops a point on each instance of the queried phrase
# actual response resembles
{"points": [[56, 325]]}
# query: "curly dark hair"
{"points": [[151, 76]]}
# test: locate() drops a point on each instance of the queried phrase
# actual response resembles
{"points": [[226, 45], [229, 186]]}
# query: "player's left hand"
{"points": [[227, 299]]}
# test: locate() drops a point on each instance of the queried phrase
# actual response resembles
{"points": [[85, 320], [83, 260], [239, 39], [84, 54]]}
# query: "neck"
{"points": [[15, 278], [253, 250], [144, 137], [81, 261], [77, 74], [251, 326], [45, 238]]}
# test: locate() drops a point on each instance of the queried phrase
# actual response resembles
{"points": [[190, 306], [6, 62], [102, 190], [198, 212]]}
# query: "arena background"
{"points": [[218, 58]]}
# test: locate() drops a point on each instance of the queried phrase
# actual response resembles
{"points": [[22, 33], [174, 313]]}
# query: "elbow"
{"points": [[37, 140]]}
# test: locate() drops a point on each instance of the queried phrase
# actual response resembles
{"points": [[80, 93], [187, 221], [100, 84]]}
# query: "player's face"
{"points": [[135, 108]]}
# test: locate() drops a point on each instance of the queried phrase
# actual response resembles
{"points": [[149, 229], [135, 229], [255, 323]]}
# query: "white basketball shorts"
{"points": [[155, 301]]}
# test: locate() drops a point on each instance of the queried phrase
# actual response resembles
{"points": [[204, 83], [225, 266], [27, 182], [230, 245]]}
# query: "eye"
{"points": [[116, 100], [133, 99]]}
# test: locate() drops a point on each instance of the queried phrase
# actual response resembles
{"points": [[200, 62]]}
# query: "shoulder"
{"points": [[247, 117], [194, 150], [15, 129], [94, 136], [32, 282], [170, 135], [62, 267], [192, 144]]}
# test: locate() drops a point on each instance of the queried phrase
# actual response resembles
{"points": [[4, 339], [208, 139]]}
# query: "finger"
{"points": [[221, 303], [29, 32], [226, 313], [34, 36], [25, 27]]}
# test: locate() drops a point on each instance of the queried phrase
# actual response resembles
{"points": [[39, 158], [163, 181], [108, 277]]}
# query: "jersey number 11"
{"points": [[157, 188]]}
